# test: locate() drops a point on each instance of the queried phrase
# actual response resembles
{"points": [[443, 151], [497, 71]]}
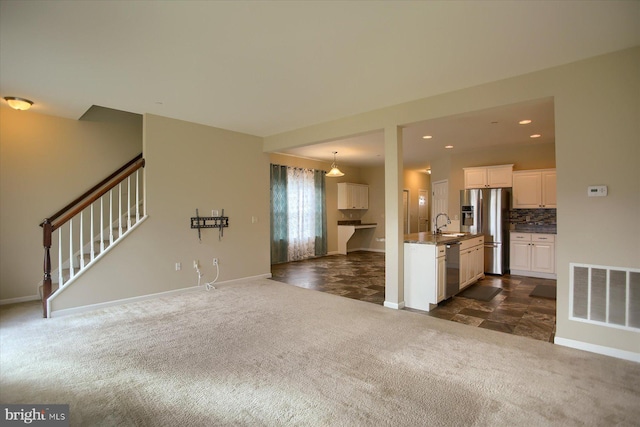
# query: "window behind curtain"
{"points": [[298, 214]]}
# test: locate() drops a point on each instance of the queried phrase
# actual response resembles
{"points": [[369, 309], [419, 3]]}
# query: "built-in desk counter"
{"points": [[346, 230]]}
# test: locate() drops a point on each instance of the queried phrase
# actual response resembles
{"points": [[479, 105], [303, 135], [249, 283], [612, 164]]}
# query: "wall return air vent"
{"points": [[608, 296]]}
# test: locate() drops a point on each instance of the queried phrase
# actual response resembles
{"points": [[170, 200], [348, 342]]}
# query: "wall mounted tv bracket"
{"points": [[219, 222]]}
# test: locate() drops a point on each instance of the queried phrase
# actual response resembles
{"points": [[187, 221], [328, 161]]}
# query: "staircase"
{"points": [[89, 227]]}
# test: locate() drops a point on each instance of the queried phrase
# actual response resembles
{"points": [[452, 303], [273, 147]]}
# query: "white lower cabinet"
{"points": [[441, 272], [471, 261], [465, 270], [425, 275], [533, 254], [425, 271]]}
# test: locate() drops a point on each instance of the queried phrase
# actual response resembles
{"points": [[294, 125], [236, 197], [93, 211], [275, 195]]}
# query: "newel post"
{"points": [[46, 281]]}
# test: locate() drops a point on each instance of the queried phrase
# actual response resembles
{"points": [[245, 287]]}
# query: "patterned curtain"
{"points": [[279, 221], [321, 213], [302, 218], [298, 214]]}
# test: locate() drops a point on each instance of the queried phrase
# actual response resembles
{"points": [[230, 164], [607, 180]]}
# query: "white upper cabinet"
{"points": [[488, 177], [534, 189], [549, 189], [353, 196]]}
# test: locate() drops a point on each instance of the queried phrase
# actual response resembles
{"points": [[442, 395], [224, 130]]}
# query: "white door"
{"points": [[440, 199], [423, 211]]}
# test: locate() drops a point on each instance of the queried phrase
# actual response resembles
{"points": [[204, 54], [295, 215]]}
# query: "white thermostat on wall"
{"points": [[597, 191]]}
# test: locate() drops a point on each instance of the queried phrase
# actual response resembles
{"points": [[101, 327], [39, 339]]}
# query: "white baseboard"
{"points": [[527, 273], [394, 305], [91, 307], [242, 279], [599, 349], [359, 249], [365, 250], [19, 299]]}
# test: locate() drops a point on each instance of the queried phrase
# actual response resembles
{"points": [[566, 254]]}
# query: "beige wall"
{"points": [[596, 115], [189, 166], [45, 163]]}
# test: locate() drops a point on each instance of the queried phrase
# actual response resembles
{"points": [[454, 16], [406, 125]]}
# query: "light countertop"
{"points": [[428, 238]]}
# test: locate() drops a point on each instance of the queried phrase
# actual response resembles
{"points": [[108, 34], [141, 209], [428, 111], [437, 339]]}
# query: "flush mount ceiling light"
{"points": [[535, 135], [18, 103], [427, 137], [448, 146], [334, 172], [524, 122]]}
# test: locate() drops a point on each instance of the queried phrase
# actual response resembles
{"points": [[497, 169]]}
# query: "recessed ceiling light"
{"points": [[427, 137], [448, 146], [524, 122], [535, 135]]}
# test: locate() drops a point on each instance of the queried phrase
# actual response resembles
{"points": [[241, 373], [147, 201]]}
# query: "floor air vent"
{"points": [[608, 296]]}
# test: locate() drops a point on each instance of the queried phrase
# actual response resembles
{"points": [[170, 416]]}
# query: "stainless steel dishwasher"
{"points": [[452, 255]]}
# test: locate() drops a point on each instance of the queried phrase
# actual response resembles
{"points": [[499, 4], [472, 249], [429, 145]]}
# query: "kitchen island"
{"points": [[430, 276]]}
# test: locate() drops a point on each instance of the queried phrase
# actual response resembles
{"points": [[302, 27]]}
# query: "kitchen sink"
{"points": [[452, 234]]}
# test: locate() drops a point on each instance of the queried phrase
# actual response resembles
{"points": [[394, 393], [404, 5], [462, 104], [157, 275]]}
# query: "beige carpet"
{"points": [[267, 353]]}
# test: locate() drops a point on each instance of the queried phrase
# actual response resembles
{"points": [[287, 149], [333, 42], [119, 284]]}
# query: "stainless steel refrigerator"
{"points": [[486, 211]]}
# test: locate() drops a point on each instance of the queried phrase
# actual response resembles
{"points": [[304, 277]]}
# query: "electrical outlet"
{"points": [[215, 261], [195, 263], [178, 266]]}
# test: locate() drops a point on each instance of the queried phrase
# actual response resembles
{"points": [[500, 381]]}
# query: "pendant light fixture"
{"points": [[18, 103], [334, 172]]}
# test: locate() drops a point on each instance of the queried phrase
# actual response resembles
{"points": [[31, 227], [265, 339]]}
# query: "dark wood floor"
{"points": [[360, 275]]}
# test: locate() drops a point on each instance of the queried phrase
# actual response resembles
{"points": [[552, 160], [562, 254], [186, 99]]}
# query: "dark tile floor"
{"points": [[360, 275]]}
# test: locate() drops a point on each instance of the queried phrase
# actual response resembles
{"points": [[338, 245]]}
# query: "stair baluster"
{"points": [[76, 209]]}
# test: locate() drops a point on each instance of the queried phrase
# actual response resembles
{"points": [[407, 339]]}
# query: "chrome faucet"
{"points": [[435, 225]]}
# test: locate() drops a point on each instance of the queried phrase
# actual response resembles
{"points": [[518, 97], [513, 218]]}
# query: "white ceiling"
{"points": [[476, 130], [265, 67]]}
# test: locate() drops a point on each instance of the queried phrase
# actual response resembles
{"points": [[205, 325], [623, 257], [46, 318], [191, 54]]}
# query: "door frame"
{"points": [[407, 214], [433, 199], [426, 201]]}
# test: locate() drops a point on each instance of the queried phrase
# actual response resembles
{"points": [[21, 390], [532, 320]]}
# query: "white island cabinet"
{"points": [[471, 261], [424, 275]]}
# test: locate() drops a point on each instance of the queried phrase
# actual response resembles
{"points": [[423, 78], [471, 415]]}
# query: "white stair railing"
{"points": [[85, 245]]}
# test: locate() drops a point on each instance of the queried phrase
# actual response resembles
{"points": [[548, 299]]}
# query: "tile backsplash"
{"points": [[533, 220]]}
